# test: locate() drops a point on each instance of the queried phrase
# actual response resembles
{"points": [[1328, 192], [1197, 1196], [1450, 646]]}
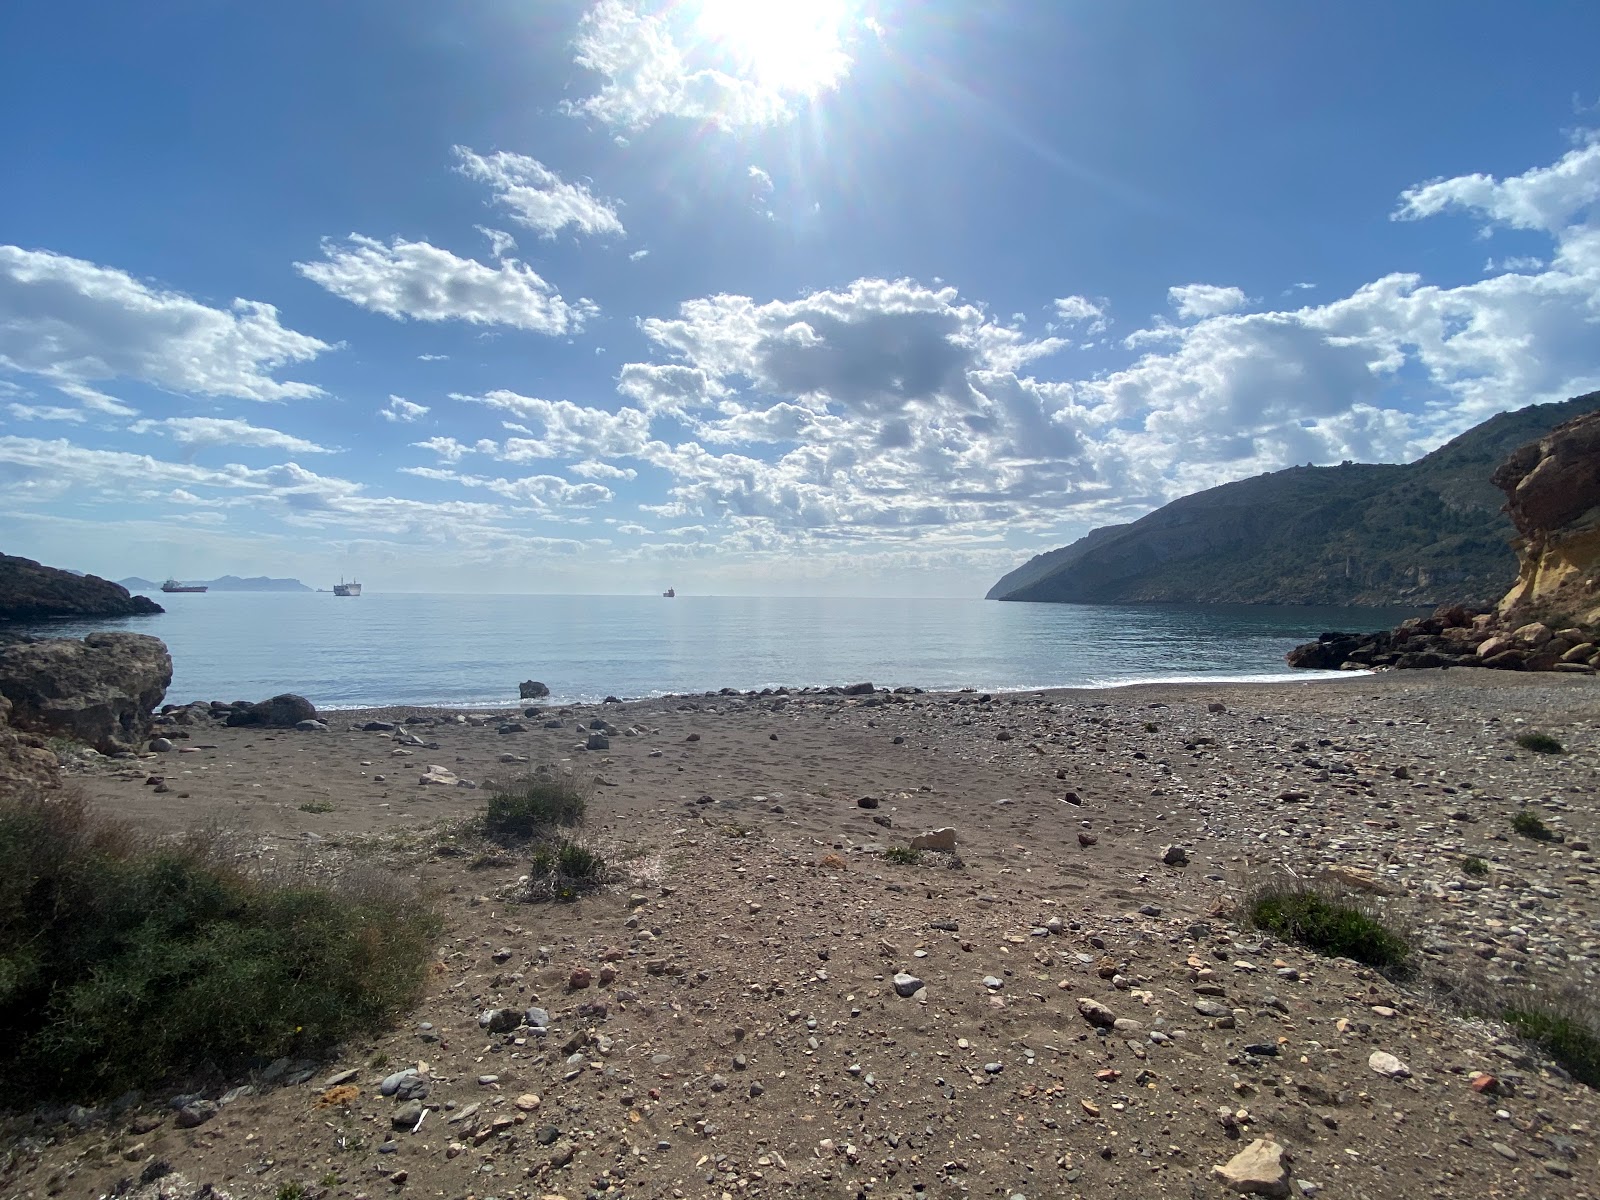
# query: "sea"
{"points": [[471, 651]]}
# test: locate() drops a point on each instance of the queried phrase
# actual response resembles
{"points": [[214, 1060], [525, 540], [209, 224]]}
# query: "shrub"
{"points": [[125, 961], [316, 806], [903, 856], [564, 868], [530, 809], [1562, 1030], [1540, 743], [1151, 727], [1530, 826], [1304, 915], [1473, 865]]}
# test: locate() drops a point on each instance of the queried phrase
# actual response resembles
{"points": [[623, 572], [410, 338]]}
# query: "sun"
{"points": [[794, 46]]}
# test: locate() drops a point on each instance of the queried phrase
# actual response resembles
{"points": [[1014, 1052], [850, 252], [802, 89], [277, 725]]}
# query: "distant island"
{"points": [[30, 591], [226, 583], [1424, 533]]}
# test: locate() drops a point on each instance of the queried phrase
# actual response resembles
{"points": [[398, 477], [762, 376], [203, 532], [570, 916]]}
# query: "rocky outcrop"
{"points": [[1552, 489], [1550, 620], [532, 689], [100, 691], [32, 592], [24, 761], [283, 711]]}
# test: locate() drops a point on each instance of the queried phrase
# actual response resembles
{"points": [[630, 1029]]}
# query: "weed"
{"points": [[124, 960], [1303, 914], [903, 856], [1473, 865], [291, 1191], [564, 869], [528, 810], [1540, 743], [1151, 727], [1562, 1030], [316, 806], [1530, 826]]}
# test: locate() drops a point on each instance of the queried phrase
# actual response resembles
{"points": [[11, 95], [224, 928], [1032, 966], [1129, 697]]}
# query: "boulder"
{"points": [[532, 689], [1257, 1170], [100, 691], [24, 762], [937, 839], [283, 711], [32, 592]]}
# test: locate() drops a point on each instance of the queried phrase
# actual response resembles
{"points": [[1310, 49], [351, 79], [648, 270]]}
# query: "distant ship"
{"points": [[172, 585], [347, 589], [670, 593]]}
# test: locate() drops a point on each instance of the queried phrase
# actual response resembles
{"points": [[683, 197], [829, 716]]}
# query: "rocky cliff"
{"points": [[101, 691], [32, 592], [1426, 533]]}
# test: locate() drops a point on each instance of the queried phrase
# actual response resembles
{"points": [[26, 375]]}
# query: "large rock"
{"points": [[532, 689], [1257, 1170], [1552, 489], [24, 763], [283, 711], [100, 691], [30, 591]]}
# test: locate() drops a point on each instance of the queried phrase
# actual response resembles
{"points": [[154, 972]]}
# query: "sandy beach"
{"points": [[740, 1033]]}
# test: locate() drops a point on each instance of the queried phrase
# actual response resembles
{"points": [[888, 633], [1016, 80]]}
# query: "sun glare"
{"points": [[787, 45]]}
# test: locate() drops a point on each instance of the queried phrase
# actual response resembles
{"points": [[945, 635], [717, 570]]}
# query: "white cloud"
{"points": [[402, 410], [638, 254], [591, 469], [1205, 300], [537, 197], [199, 433], [45, 412], [1550, 198], [566, 429], [1080, 310], [433, 358], [73, 324], [501, 243], [418, 281], [546, 493], [648, 74]]}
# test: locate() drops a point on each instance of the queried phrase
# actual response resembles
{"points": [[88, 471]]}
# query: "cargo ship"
{"points": [[172, 585], [347, 589]]}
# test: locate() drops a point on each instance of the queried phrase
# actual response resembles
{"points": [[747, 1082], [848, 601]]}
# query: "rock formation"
{"points": [[1550, 619], [100, 691], [282, 712], [32, 592], [24, 760]]}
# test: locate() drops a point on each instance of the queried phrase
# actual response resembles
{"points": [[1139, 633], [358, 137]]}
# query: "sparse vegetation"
{"points": [[124, 960], [1475, 866], [533, 808], [1540, 743], [1529, 825], [903, 856], [1151, 727], [564, 869], [316, 806], [1564, 1028], [291, 1191], [1305, 915]]}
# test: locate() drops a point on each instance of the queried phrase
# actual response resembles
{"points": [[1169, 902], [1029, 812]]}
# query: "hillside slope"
{"points": [[1429, 532], [30, 591]]}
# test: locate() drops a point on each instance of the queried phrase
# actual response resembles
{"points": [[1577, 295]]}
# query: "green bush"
{"points": [[1473, 865], [1530, 826], [528, 810], [564, 868], [1301, 914], [125, 961], [903, 856], [1540, 743], [1562, 1032]]}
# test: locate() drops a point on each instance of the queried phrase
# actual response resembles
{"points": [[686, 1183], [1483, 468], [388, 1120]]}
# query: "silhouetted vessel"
{"points": [[670, 593], [347, 589], [172, 585]]}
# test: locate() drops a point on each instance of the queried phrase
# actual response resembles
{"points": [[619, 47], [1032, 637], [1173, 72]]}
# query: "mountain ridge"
{"points": [[223, 583], [1425, 533]]}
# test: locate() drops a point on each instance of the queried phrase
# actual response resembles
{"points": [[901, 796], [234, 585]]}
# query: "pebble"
{"points": [[907, 985]]}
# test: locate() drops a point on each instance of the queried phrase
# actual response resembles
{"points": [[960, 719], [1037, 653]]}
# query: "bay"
{"points": [[472, 650]]}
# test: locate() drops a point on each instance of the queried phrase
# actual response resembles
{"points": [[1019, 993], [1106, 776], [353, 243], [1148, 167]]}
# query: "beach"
{"points": [[724, 1019]]}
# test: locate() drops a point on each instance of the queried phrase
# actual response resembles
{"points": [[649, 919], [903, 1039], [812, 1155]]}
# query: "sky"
{"points": [[854, 297]]}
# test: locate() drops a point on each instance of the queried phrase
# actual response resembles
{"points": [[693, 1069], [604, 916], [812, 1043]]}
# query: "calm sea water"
{"points": [[462, 650]]}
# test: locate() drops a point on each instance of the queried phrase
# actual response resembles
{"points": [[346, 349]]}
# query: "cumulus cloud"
{"points": [[537, 197], [403, 411], [421, 282], [564, 429], [75, 324], [1080, 310], [545, 493], [592, 469], [200, 433], [648, 75], [1205, 300]]}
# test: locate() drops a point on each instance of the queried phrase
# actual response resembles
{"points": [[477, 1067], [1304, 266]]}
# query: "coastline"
{"points": [[755, 914]]}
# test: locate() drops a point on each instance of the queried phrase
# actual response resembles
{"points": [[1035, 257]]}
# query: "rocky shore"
{"points": [[1071, 1003], [30, 591]]}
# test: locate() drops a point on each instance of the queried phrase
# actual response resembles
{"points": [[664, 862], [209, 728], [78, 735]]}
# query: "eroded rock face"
{"points": [[1552, 489], [23, 763], [100, 691], [30, 591]]}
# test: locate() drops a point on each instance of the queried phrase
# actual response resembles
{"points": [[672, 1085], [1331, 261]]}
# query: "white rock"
{"points": [[1385, 1063]]}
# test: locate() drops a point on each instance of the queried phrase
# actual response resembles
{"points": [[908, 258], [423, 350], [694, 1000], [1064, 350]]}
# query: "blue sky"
{"points": [[757, 296]]}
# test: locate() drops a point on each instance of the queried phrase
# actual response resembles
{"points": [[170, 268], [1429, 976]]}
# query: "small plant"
{"points": [[1304, 915], [1540, 743], [1562, 1033], [1151, 727], [291, 1191], [315, 806], [564, 869], [903, 856], [1475, 866], [532, 808], [1530, 826]]}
